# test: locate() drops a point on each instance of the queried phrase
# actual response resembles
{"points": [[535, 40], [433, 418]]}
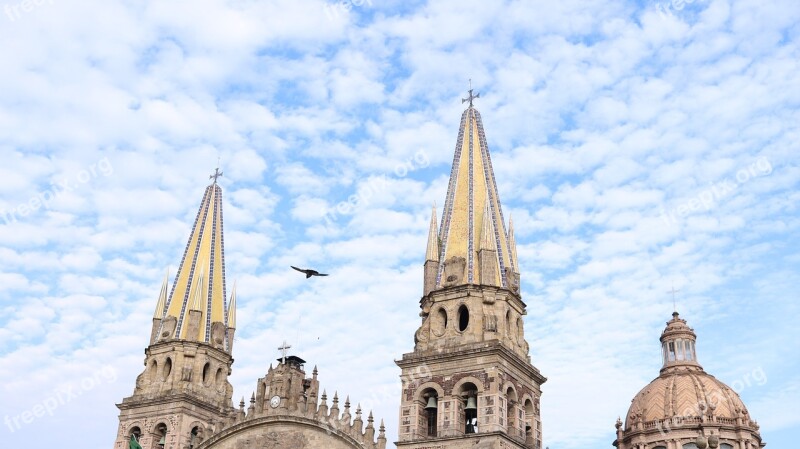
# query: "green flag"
{"points": [[134, 444]]}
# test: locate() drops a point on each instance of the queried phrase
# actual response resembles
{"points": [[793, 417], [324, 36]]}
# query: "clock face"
{"points": [[275, 401]]}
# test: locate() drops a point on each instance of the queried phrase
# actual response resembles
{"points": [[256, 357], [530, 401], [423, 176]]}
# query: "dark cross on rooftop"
{"points": [[673, 291], [216, 175], [470, 97], [284, 349]]}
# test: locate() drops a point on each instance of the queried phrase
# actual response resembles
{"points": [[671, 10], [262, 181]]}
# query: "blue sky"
{"points": [[637, 145]]}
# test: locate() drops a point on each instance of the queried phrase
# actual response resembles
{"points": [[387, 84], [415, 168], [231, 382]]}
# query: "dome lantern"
{"points": [[678, 344]]}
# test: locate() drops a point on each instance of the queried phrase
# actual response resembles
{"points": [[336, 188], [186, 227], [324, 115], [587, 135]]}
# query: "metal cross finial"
{"points": [[216, 175], [284, 349], [673, 291], [470, 97]]}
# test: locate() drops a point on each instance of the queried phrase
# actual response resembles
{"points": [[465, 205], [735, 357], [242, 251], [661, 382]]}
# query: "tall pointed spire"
{"points": [[203, 258], [471, 195], [432, 252]]}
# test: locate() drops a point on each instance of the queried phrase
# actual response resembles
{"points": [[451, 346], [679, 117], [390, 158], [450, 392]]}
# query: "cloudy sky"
{"points": [[639, 145]]}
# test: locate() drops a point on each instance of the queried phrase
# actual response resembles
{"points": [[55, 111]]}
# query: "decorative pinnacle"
{"points": [[253, 398], [370, 419], [241, 404], [470, 97], [161, 307]]}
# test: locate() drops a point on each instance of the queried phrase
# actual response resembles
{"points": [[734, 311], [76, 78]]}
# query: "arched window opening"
{"points": [[463, 318], [135, 434], [725, 446], [167, 368], [206, 369], [440, 322], [511, 414], [469, 394], [672, 351], [194, 437], [520, 333], [153, 373], [509, 332], [161, 436], [689, 446], [219, 377], [660, 447], [529, 423], [680, 349], [430, 412]]}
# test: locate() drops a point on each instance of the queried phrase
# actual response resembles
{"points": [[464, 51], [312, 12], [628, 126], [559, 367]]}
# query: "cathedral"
{"points": [[468, 382]]}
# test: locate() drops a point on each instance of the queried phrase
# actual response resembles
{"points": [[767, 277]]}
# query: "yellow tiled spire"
{"points": [[432, 252], [200, 281], [471, 194]]}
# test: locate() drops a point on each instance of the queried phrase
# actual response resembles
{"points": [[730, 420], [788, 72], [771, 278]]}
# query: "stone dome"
{"points": [[686, 392], [685, 403]]}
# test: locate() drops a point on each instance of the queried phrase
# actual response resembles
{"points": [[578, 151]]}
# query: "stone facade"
{"points": [[471, 343]]}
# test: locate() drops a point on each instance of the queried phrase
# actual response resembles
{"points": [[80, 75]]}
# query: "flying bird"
{"points": [[308, 272]]}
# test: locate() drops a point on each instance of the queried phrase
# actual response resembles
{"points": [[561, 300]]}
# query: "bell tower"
{"points": [[469, 379], [183, 394]]}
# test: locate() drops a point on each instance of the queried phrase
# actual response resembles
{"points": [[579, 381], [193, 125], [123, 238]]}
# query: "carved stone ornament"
{"points": [[168, 327], [217, 334], [454, 271]]}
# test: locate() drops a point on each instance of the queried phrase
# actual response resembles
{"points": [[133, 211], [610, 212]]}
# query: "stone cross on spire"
{"points": [[470, 97], [216, 175], [284, 349], [674, 304]]}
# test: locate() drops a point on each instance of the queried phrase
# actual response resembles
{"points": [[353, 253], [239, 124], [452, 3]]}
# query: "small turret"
{"points": [[335, 407], [232, 319], [369, 432], [382, 436], [251, 410], [161, 308], [322, 411], [432, 255]]}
